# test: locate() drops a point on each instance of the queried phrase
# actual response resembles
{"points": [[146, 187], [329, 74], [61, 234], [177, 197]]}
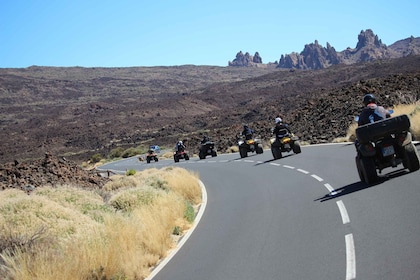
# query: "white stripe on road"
{"points": [[288, 166], [343, 212], [317, 177], [350, 258], [303, 171]]}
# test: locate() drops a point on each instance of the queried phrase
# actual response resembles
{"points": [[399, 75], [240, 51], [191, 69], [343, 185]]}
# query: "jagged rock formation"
{"points": [[246, 59], [314, 56]]}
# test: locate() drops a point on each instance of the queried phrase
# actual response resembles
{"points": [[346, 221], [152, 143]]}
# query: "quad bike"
{"points": [[180, 154], [207, 149], [284, 142], [151, 155], [249, 145], [382, 144]]}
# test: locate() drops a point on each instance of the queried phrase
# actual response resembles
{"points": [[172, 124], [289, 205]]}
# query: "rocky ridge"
{"points": [[314, 56]]}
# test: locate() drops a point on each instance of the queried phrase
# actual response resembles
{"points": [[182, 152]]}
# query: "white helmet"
{"points": [[278, 120]]}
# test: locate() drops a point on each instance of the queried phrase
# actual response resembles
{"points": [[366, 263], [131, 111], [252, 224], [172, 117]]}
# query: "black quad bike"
{"points": [[249, 145], [207, 149], [284, 142], [181, 154], [382, 144], [151, 155]]}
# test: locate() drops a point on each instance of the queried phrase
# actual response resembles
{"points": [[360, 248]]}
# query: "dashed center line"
{"points": [[350, 252]]}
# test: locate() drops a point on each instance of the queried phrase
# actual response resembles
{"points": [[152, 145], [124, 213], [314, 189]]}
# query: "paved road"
{"points": [[269, 219]]}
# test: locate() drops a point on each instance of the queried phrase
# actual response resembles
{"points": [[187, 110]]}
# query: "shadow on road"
{"points": [[271, 160], [358, 186]]}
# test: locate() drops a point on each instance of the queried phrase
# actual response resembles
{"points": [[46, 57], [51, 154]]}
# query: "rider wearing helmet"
{"points": [[247, 132], [179, 146], [280, 127], [372, 112]]}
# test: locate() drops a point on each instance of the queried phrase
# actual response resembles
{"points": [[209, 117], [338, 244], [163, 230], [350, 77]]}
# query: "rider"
{"points": [[280, 128], [372, 112], [179, 146], [205, 139], [247, 132]]}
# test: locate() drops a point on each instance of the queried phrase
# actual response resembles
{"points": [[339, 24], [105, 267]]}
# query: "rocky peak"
{"points": [[244, 60], [368, 39]]}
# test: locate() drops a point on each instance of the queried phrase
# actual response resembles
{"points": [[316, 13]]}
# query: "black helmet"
{"points": [[369, 98]]}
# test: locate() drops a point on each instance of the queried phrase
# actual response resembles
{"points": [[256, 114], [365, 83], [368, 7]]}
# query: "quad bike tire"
{"points": [[276, 151], [368, 169], [243, 152], [382, 128], [148, 160], [411, 158], [186, 157], [176, 158], [296, 147], [259, 149], [214, 154], [359, 169]]}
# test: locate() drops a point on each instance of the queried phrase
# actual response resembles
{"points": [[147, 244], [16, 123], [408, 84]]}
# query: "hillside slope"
{"points": [[77, 112]]}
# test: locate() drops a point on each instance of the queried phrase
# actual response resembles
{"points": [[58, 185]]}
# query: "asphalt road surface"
{"points": [[305, 216]]}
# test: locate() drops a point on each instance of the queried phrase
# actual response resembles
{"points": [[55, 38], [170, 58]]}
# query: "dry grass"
{"points": [[412, 110], [89, 238]]}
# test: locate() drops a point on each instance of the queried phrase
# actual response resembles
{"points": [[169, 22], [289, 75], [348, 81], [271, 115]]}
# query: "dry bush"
{"points": [[90, 239], [232, 149]]}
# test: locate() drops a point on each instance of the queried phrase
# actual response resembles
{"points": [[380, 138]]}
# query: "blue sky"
{"points": [[109, 33]]}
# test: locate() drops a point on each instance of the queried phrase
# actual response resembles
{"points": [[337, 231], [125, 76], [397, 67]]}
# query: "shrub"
{"points": [[130, 172], [95, 158]]}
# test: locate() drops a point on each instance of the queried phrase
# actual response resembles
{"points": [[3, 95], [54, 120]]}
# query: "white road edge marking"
{"points": [[275, 164], [303, 171], [288, 166], [343, 212], [350, 258], [184, 239]]}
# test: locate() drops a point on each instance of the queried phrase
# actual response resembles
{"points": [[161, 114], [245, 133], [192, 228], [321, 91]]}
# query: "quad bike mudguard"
{"points": [[377, 130]]}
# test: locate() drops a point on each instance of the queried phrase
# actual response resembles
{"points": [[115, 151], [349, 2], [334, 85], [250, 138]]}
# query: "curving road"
{"points": [[267, 219]]}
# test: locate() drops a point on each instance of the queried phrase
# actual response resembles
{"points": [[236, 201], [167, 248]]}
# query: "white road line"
{"points": [[288, 166], [343, 212], [275, 164], [186, 236], [303, 171], [329, 188], [350, 258], [225, 160], [317, 177], [247, 160]]}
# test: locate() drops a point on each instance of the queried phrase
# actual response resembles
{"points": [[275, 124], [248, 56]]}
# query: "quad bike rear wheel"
{"points": [[369, 169], [359, 169], [296, 147], [411, 158], [243, 152], [276, 151], [259, 149]]}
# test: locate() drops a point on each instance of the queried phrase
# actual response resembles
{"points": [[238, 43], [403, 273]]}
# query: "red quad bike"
{"points": [[181, 154], [207, 149], [151, 155], [382, 144]]}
